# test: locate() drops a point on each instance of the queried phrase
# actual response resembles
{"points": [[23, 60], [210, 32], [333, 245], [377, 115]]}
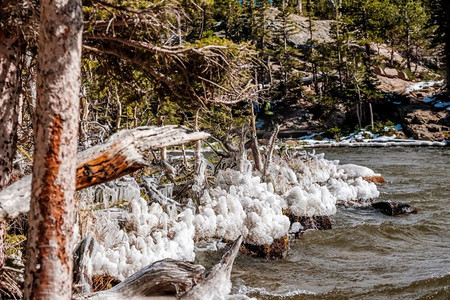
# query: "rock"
{"points": [[434, 128], [394, 208], [277, 250], [423, 117], [291, 142], [315, 222], [379, 71], [336, 118], [419, 132], [402, 75], [391, 73], [423, 132]]}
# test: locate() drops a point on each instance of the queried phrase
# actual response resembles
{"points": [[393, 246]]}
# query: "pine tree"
{"points": [[440, 17]]}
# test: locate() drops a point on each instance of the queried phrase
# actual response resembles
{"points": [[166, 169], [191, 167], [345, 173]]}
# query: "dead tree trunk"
{"points": [[52, 209], [254, 143], [269, 154], [122, 154]]}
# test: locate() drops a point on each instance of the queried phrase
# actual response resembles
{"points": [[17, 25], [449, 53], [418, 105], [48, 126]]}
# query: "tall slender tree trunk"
{"points": [[408, 48], [12, 49], [447, 52], [50, 237]]}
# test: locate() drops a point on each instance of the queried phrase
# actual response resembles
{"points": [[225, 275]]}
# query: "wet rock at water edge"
{"points": [[394, 208], [277, 250], [300, 224]]}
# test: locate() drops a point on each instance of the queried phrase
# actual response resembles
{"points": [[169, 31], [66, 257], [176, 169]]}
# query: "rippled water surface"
{"points": [[368, 255]]}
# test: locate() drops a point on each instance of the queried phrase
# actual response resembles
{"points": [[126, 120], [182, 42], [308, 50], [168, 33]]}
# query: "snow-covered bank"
{"points": [[238, 203], [365, 138], [373, 143]]}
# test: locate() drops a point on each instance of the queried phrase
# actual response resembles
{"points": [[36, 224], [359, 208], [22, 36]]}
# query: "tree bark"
{"points": [[52, 209]]}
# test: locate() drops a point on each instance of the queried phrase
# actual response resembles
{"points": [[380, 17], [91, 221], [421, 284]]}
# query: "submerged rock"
{"points": [[394, 208]]}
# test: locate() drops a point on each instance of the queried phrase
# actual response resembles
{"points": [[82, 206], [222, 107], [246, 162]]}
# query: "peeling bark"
{"points": [[52, 208]]}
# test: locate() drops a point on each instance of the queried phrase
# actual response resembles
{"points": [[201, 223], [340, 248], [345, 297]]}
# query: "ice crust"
{"points": [[239, 203]]}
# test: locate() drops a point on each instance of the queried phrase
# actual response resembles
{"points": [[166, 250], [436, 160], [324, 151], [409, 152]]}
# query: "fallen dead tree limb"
{"points": [[155, 195], [173, 279], [122, 154]]}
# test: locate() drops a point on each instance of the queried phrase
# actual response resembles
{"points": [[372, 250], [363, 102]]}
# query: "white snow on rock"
{"points": [[421, 85]]}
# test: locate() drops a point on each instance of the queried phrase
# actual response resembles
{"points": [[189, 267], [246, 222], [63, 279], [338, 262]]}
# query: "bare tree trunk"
{"points": [[135, 118], [272, 141], [84, 118], [52, 209], [11, 58], [119, 111], [300, 7], [254, 145]]}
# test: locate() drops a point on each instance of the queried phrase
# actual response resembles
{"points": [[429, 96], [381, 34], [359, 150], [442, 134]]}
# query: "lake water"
{"points": [[368, 255]]}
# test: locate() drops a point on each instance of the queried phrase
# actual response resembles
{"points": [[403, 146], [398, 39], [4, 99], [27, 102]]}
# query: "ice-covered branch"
{"points": [[122, 154]]}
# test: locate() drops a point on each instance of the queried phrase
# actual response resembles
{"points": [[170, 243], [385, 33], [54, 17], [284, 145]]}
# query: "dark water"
{"points": [[368, 255]]}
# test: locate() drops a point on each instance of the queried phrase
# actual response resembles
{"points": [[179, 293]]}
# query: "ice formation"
{"points": [[239, 203], [132, 238]]}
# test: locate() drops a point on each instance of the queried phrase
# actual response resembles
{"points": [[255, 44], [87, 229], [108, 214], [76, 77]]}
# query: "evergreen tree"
{"points": [[440, 17]]}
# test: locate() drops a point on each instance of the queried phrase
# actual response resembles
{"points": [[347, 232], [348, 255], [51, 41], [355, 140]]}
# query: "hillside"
{"points": [[402, 101]]}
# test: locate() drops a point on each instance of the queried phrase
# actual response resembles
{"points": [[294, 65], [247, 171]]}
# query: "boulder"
{"points": [[304, 223], [423, 132], [277, 250], [391, 73], [402, 75], [394, 208], [422, 117], [434, 128], [291, 142], [419, 132], [379, 71]]}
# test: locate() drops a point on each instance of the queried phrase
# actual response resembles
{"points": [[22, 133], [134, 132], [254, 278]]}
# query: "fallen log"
{"points": [[122, 154], [171, 279]]}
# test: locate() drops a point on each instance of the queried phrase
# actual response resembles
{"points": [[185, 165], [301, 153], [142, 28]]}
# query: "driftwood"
{"points": [[219, 275], [82, 271], [170, 279], [155, 195], [122, 154]]}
